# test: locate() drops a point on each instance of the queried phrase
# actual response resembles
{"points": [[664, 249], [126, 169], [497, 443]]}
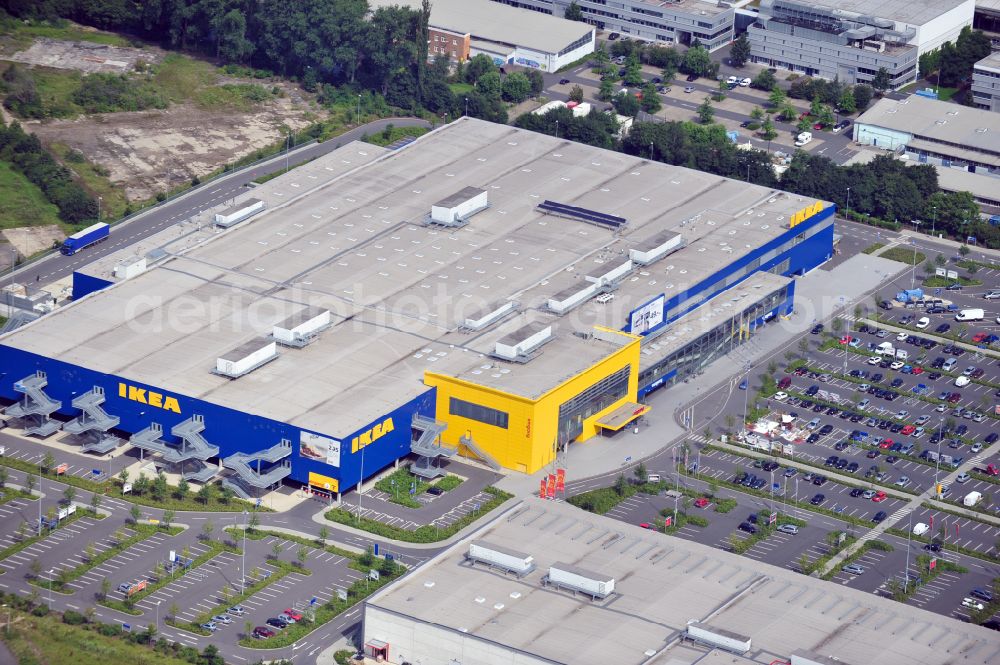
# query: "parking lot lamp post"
{"points": [[52, 574], [39, 498], [157, 624], [795, 497], [933, 220], [909, 533], [848, 209], [772, 490], [243, 566]]}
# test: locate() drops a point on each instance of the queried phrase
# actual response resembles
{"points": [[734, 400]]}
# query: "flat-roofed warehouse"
{"points": [[461, 29], [666, 601], [387, 315]]}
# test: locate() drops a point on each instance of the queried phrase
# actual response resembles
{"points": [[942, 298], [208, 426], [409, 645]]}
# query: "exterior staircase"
{"points": [[425, 443], [193, 447], [248, 478], [484, 457], [95, 421], [35, 407]]}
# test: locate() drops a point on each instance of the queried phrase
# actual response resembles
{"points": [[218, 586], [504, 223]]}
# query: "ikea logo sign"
{"points": [[369, 437], [143, 396], [805, 213]]}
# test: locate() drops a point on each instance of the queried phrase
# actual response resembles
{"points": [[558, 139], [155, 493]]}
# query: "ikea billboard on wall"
{"points": [[646, 317]]}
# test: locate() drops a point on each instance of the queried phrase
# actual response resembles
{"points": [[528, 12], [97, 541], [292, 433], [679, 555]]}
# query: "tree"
{"points": [[777, 98], [123, 477], [276, 549], [641, 474], [537, 82], [788, 112], [324, 533], [804, 564], [182, 489], [847, 103], [3, 477], [173, 611], [159, 487], [633, 71], [757, 113], [765, 80], [650, 99], [48, 461], [95, 502], [706, 112], [697, 60], [88, 552], [478, 65], [626, 104], [804, 125], [253, 522], [882, 80], [105, 587], [134, 513], [720, 94], [576, 93], [204, 494], [740, 52], [862, 96], [233, 44], [573, 12], [621, 485], [167, 518], [607, 91], [490, 85], [30, 482], [35, 568], [301, 555], [516, 88], [226, 494], [767, 131], [206, 530], [964, 250]]}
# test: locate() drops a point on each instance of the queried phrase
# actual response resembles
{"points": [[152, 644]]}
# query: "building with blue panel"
{"points": [[545, 286]]}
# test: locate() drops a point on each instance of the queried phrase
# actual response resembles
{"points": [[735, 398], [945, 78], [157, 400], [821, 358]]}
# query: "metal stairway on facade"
{"points": [[36, 407], [193, 447], [427, 447], [468, 442], [94, 421], [248, 478]]}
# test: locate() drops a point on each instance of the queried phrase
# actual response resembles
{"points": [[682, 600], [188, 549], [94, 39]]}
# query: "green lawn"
{"points": [[383, 139], [461, 88], [903, 255], [56, 88], [113, 200], [21, 202]]}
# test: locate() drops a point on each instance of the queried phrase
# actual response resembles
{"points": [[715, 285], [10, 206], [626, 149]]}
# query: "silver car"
{"points": [[853, 569]]}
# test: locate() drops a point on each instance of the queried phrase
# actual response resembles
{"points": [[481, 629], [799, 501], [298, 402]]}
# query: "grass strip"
{"points": [[398, 485], [128, 606], [874, 247], [422, 534], [448, 483]]}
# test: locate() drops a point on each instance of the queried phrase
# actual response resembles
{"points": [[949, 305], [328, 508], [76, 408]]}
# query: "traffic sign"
{"points": [[312, 601], [667, 521], [127, 627], [376, 549], [932, 565], [773, 518], [775, 487]]}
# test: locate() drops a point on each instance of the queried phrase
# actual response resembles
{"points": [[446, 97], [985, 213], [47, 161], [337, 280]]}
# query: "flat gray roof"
{"points": [[941, 121], [917, 12], [990, 62], [950, 179], [461, 196], [245, 349], [697, 7], [661, 584], [345, 233], [495, 22]]}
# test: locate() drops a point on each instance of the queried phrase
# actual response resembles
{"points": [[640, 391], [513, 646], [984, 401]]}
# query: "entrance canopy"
{"points": [[622, 416]]}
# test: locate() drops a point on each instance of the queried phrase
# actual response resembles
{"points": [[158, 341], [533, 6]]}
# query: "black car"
{"points": [[812, 438], [770, 466], [819, 480], [825, 429], [818, 499], [563, 81], [853, 467], [841, 445], [891, 459], [934, 376], [943, 328], [896, 383], [842, 464], [435, 491], [753, 518], [857, 491], [832, 411], [879, 516], [812, 390], [819, 408], [657, 80], [961, 429], [277, 623], [933, 547], [877, 378], [992, 437], [691, 77], [817, 329], [831, 460], [749, 528]]}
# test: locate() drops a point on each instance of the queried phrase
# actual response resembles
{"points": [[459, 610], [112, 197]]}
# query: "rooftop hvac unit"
{"points": [[496, 556], [484, 318], [568, 576], [718, 637], [520, 343], [246, 358], [238, 212], [456, 209], [656, 248], [302, 328], [130, 267]]}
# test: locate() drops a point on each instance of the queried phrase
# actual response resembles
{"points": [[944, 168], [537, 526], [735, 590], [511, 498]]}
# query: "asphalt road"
{"points": [[56, 266]]}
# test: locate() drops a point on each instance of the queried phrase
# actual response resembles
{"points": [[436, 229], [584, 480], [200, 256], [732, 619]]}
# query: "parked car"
{"points": [[263, 632], [749, 528], [210, 626], [691, 77], [853, 569], [879, 516], [276, 622], [788, 528], [817, 499]]}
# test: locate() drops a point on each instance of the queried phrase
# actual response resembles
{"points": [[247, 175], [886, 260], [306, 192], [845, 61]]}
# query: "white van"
{"points": [[972, 498], [970, 315], [920, 529], [885, 349], [902, 354], [803, 138]]}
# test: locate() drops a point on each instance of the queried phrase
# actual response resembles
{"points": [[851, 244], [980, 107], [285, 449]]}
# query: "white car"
{"points": [[962, 381], [923, 322], [972, 604], [920, 529], [976, 447], [732, 80], [992, 295], [897, 364], [917, 433], [780, 396], [901, 337], [874, 360], [745, 83]]}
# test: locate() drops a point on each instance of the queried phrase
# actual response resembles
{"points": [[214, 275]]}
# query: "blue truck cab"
{"points": [[91, 235]]}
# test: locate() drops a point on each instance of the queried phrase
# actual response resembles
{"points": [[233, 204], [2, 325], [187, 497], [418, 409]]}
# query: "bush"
{"points": [[73, 618], [108, 93], [41, 611]]}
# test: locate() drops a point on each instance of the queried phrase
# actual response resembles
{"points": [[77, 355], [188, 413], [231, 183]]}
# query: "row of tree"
{"points": [[25, 152], [954, 62]]}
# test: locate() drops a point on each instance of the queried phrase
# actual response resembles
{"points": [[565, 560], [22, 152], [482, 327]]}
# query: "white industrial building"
{"points": [[986, 83], [507, 596], [852, 39], [666, 21]]}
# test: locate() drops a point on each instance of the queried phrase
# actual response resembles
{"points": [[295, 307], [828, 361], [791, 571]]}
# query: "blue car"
{"points": [[743, 384]]}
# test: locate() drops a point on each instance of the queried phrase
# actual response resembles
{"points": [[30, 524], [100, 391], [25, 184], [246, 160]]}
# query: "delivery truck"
{"points": [[970, 315], [85, 238], [972, 498]]}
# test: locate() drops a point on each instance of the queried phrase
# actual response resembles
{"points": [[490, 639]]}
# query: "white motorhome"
{"points": [[803, 138]]}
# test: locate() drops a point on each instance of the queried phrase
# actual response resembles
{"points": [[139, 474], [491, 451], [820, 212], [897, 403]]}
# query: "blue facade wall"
{"points": [[84, 284], [231, 430]]}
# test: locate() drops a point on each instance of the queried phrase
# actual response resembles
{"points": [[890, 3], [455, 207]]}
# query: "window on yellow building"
{"points": [[477, 412]]}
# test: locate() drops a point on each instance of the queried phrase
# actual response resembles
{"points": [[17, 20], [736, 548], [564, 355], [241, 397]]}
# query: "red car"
{"points": [[784, 383], [918, 370], [292, 613], [646, 525], [263, 632], [879, 497], [701, 503], [954, 397], [979, 337], [818, 125], [885, 445], [907, 430]]}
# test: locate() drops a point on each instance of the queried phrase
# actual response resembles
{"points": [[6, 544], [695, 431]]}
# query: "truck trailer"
{"points": [[91, 235]]}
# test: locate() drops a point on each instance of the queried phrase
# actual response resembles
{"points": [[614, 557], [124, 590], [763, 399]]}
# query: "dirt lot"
{"points": [[28, 240], [83, 56], [152, 151]]}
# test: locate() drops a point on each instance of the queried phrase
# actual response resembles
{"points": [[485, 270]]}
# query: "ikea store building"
{"points": [[484, 291]]}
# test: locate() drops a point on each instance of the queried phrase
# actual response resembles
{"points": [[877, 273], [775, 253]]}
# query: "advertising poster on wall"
{"points": [[319, 448], [647, 317]]}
